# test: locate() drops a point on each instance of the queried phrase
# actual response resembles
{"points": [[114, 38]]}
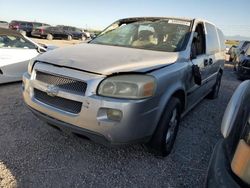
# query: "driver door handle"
{"points": [[210, 61], [205, 62]]}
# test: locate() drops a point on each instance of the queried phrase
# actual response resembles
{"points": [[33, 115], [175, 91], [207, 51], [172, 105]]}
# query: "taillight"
{"points": [[14, 26]]}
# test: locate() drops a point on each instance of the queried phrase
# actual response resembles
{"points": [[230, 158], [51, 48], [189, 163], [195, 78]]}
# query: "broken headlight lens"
{"points": [[128, 86]]}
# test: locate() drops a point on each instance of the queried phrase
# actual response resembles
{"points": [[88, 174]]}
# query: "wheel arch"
{"points": [[177, 92]]}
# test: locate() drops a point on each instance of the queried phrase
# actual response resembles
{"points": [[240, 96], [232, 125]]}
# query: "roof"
{"points": [[154, 18]]}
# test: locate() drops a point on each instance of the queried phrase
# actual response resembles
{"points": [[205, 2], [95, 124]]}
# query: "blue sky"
{"points": [[231, 16]]}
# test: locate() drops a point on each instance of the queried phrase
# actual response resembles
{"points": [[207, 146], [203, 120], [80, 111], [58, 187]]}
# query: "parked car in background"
{"points": [[59, 32], [242, 45], [132, 83], [16, 51], [230, 162], [243, 66], [25, 27], [22, 26], [4, 24]]}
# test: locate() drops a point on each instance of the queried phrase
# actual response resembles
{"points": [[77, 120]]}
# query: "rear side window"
{"points": [[222, 40], [212, 39]]}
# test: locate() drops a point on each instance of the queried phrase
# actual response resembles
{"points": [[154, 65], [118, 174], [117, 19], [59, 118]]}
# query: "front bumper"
{"points": [[219, 171], [137, 124]]}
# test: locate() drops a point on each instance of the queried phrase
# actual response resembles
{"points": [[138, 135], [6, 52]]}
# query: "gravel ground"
{"points": [[33, 154]]}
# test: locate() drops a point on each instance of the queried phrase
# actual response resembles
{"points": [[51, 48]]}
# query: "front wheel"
{"points": [[165, 134]]}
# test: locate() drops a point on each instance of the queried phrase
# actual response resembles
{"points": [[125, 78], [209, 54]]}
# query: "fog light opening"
{"points": [[114, 115]]}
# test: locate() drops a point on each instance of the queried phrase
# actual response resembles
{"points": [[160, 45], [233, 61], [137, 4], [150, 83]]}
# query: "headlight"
{"points": [[128, 86], [30, 66]]}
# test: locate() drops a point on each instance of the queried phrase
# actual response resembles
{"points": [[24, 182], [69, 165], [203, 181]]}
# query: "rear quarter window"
{"points": [[212, 44], [221, 40]]}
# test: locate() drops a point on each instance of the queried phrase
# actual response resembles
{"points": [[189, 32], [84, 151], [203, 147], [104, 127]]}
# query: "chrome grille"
{"points": [[62, 82], [58, 102]]}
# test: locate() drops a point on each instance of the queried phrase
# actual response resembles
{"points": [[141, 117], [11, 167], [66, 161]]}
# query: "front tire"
{"points": [[165, 134]]}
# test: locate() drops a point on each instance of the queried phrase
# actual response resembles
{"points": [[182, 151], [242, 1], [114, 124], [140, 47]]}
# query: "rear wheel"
{"points": [[50, 37], [216, 88], [83, 38], [164, 137]]}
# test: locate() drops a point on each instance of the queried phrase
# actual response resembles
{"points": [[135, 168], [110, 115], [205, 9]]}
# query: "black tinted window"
{"points": [[211, 39]]}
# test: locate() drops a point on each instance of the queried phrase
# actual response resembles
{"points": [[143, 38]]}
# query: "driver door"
{"points": [[199, 59]]}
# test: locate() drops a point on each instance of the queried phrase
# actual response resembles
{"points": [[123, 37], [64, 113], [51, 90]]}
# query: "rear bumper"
{"points": [[219, 172]]}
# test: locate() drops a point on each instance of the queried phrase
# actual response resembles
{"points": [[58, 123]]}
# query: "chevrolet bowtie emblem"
{"points": [[52, 90]]}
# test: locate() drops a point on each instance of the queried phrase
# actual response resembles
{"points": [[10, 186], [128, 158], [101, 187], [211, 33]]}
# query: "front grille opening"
{"points": [[58, 102], [65, 83]]}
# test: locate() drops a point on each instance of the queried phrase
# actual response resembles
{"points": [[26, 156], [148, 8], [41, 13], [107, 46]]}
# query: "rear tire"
{"points": [[49, 37], [83, 38], [216, 88], [165, 134]]}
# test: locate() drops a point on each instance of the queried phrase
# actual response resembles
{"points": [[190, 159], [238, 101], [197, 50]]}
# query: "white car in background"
{"points": [[16, 51]]}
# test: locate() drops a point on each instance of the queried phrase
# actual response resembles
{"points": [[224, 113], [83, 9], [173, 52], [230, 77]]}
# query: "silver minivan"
{"points": [[130, 84]]}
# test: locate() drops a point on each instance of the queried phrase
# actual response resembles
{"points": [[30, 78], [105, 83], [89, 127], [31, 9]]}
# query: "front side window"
{"points": [[9, 41], [160, 35]]}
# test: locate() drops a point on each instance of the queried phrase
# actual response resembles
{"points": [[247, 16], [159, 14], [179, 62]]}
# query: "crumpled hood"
{"points": [[103, 59]]}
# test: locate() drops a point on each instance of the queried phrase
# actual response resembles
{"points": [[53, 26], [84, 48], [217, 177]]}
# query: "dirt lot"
{"points": [[33, 154], [59, 43]]}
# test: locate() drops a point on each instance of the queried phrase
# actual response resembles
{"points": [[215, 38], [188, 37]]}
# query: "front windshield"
{"points": [[161, 35]]}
